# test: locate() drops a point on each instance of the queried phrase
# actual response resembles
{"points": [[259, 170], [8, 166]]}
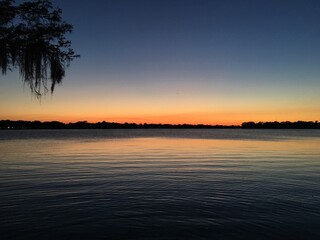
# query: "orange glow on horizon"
{"points": [[92, 109], [186, 118]]}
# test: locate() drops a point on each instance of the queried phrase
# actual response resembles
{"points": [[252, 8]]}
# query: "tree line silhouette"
{"points": [[9, 124], [282, 125]]}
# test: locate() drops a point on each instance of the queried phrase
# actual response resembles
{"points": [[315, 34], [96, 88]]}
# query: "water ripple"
{"points": [[160, 188]]}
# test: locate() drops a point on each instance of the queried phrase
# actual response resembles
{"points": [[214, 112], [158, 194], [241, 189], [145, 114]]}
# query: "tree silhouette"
{"points": [[32, 39]]}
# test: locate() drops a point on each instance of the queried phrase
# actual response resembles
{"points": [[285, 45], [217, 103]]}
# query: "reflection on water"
{"points": [[160, 187]]}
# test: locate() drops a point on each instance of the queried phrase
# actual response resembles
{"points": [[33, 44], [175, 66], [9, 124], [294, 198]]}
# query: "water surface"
{"points": [[160, 184]]}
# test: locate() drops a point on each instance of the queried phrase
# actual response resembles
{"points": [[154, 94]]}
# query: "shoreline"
{"points": [[20, 124]]}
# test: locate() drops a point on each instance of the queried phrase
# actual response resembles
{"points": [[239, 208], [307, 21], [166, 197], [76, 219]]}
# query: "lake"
{"points": [[160, 184]]}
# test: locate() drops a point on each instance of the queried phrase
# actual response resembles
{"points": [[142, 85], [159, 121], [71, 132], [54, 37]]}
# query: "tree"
{"points": [[32, 39]]}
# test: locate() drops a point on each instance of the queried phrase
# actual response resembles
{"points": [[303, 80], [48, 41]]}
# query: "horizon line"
{"points": [[5, 124]]}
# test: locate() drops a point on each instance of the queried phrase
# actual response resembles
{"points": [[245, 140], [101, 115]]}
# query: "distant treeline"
{"points": [[8, 124], [282, 125]]}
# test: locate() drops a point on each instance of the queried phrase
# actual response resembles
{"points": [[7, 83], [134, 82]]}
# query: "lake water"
{"points": [[160, 184]]}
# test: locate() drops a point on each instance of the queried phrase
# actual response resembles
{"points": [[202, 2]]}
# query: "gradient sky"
{"points": [[187, 61]]}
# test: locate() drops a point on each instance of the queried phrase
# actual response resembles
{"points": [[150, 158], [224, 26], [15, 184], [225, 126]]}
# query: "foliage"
{"points": [[8, 124], [282, 125], [32, 38]]}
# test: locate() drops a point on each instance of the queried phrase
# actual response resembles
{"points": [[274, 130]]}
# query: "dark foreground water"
{"points": [[160, 184]]}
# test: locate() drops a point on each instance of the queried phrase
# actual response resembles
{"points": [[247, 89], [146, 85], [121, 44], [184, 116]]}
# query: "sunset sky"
{"points": [[187, 61]]}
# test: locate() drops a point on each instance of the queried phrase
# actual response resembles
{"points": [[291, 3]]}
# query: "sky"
{"points": [[182, 61]]}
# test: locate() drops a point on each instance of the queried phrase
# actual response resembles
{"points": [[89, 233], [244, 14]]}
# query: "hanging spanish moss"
{"points": [[32, 40]]}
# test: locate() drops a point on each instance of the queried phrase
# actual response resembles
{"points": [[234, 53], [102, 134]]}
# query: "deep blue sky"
{"points": [[212, 58], [209, 37]]}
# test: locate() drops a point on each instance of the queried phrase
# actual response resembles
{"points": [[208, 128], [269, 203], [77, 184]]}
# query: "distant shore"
{"points": [[20, 124]]}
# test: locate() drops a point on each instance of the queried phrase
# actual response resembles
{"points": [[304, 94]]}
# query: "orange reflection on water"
{"points": [[155, 148], [167, 148]]}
